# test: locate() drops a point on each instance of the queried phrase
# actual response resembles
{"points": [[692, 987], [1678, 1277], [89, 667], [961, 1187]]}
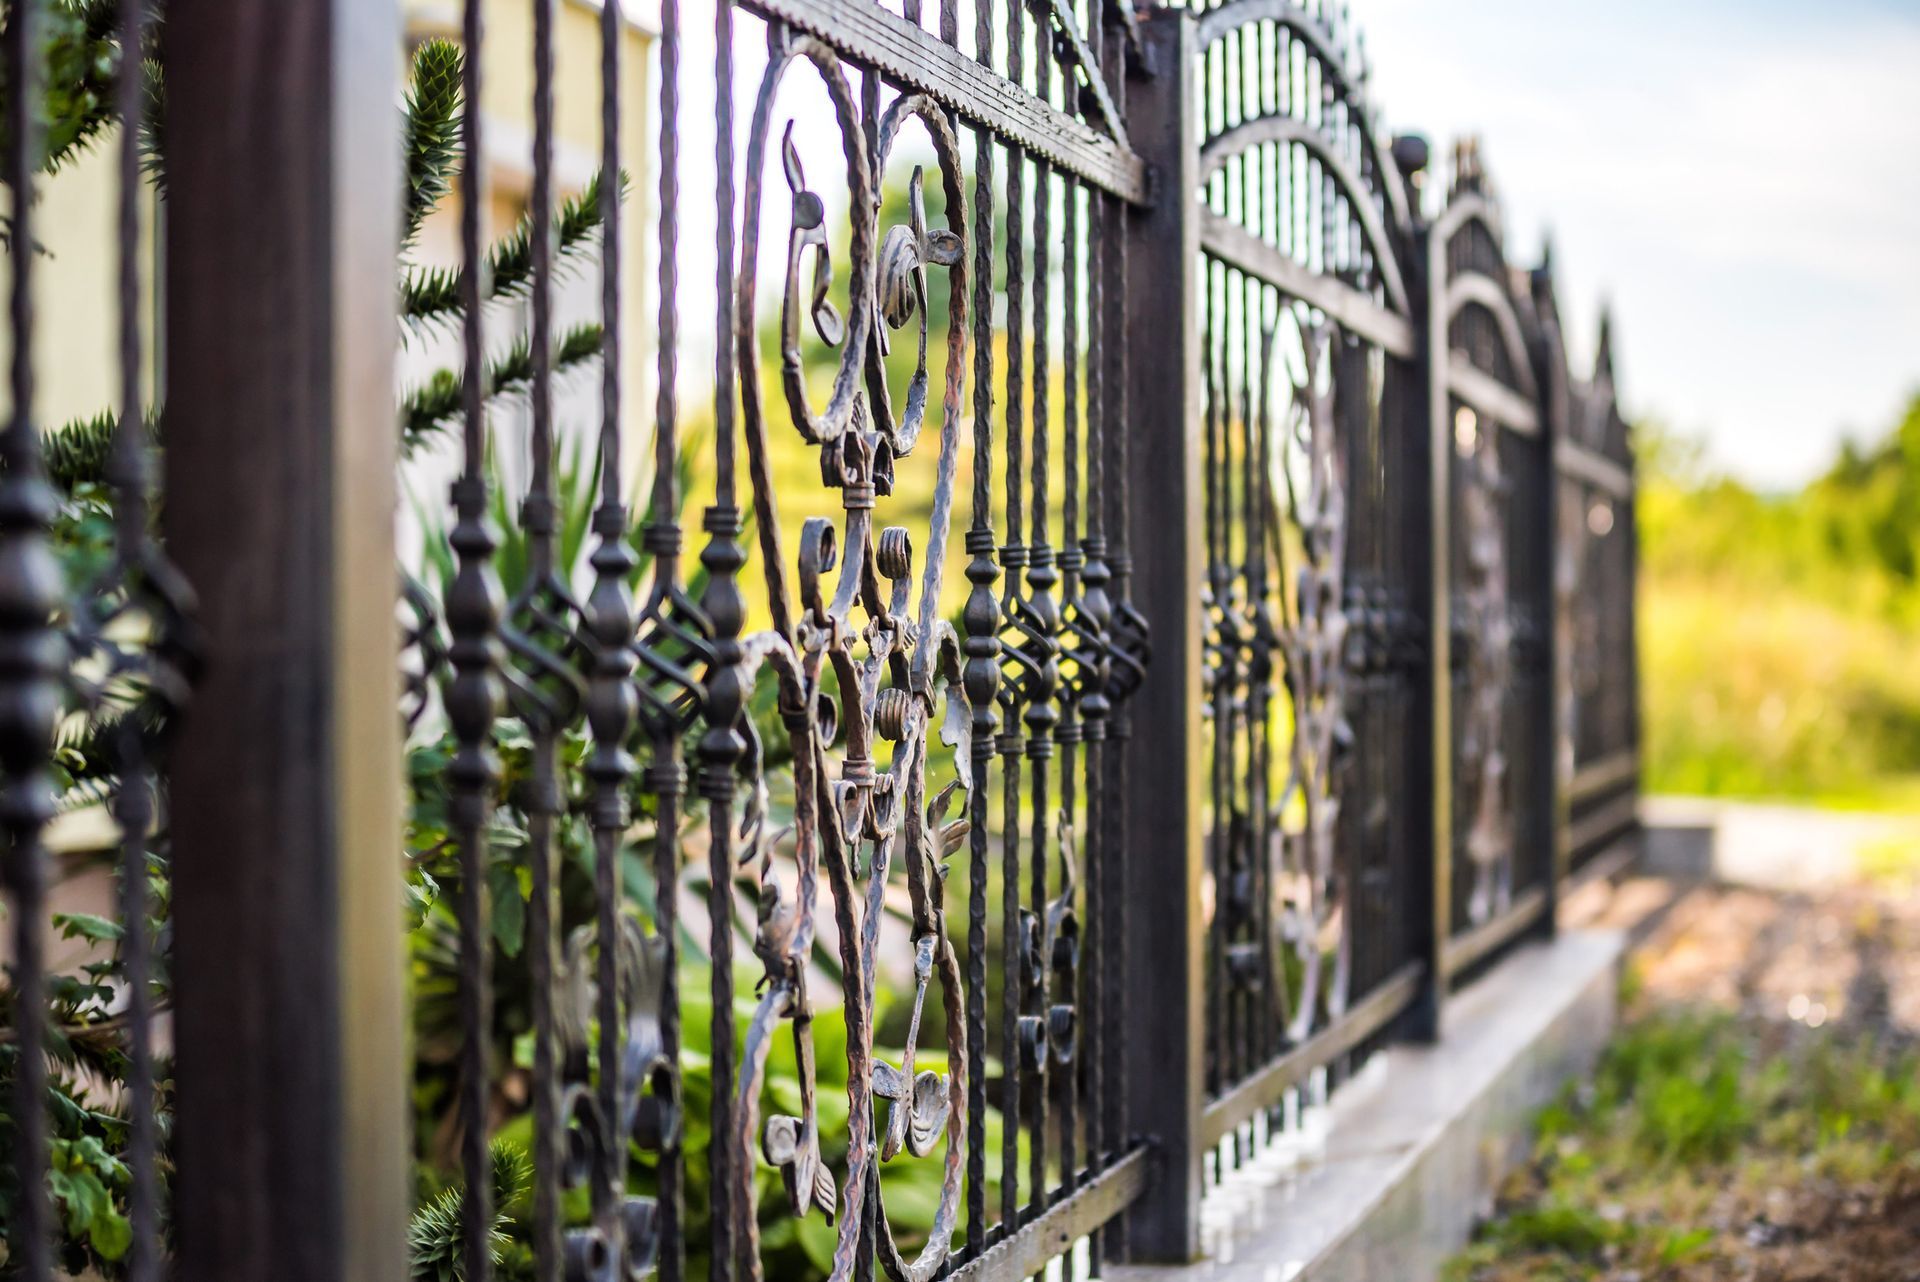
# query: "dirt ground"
{"points": [[1804, 984], [1848, 956], [1848, 959]]}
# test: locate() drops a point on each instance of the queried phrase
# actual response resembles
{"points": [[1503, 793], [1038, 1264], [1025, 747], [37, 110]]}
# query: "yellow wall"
{"points": [[74, 295], [76, 335]]}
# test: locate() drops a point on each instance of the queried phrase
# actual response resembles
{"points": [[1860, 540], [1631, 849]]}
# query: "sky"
{"points": [[1739, 180]]}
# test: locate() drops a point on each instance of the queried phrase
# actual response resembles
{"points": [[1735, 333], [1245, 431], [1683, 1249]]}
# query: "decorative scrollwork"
{"points": [[1310, 891], [858, 656], [1062, 951], [1488, 628], [422, 637], [622, 1241]]}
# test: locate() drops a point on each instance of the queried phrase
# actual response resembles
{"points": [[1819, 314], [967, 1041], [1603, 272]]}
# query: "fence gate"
{"points": [[932, 647]]}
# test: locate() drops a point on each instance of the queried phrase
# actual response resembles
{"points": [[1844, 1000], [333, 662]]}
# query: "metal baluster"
{"points": [[1123, 677], [982, 674], [1253, 94], [608, 627], [1126, 647], [30, 656], [472, 696], [1010, 744], [1246, 894], [542, 700], [1268, 228], [1261, 676], [722, 745], [1039, 622], [1069, 730], [1228, 920], [1227, 666], [669, 642], [1096, 610], [1012, 559], [1110, 961], [1213, 344], [1226, 729]]}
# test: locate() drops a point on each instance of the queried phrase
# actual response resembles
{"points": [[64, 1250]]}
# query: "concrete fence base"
{"points": [[1409, 1154]]}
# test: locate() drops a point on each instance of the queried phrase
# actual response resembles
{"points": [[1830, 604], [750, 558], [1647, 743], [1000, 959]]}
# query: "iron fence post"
{"points": [[1635, 724], [1431, 456], [1163, 918], [1550, 375], [292, 1135]]}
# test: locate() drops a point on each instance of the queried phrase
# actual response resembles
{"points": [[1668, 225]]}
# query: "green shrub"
{"points": [[1776, 630]]}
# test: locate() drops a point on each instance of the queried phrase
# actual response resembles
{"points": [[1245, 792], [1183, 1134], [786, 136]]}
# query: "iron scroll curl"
{"points": [[860, 659]]}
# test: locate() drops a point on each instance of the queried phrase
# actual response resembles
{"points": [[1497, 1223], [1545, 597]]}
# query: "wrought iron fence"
{"points": [[796, 882], [1595, 549]]}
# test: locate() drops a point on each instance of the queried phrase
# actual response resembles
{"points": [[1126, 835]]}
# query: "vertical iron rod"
{"points": [[533, 618], [722, 745], [133, 804], [31, 657]]}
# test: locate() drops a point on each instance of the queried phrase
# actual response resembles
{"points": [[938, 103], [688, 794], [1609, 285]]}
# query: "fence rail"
{"points": [[796, 884]]}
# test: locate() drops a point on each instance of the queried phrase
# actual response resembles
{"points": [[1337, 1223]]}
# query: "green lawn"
{"points": [[1711, 1146]]}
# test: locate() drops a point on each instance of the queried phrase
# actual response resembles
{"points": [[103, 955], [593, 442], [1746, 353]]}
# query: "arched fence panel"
{"points": [[1312, 436], [1493, 435], [1597, 547]]}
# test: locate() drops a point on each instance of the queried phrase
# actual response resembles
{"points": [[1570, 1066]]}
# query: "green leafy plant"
{"points": [[434, 1234], [1776, 628], [1693, 1128]]}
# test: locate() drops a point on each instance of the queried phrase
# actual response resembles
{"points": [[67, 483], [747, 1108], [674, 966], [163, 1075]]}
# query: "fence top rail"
{"points": [[1478, 289], [1352, 309], [1285, 130], [1583, 463], [910, 58], [1464, 207], [1270, 1085]]}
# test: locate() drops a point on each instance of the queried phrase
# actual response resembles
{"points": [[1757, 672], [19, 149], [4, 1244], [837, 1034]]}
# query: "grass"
{"points": [[1776, 629], [1753, 692], [1703, 1140], [1891, 862]]}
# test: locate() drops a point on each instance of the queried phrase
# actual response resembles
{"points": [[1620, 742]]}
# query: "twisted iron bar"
{"points": [[472, 695]]}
